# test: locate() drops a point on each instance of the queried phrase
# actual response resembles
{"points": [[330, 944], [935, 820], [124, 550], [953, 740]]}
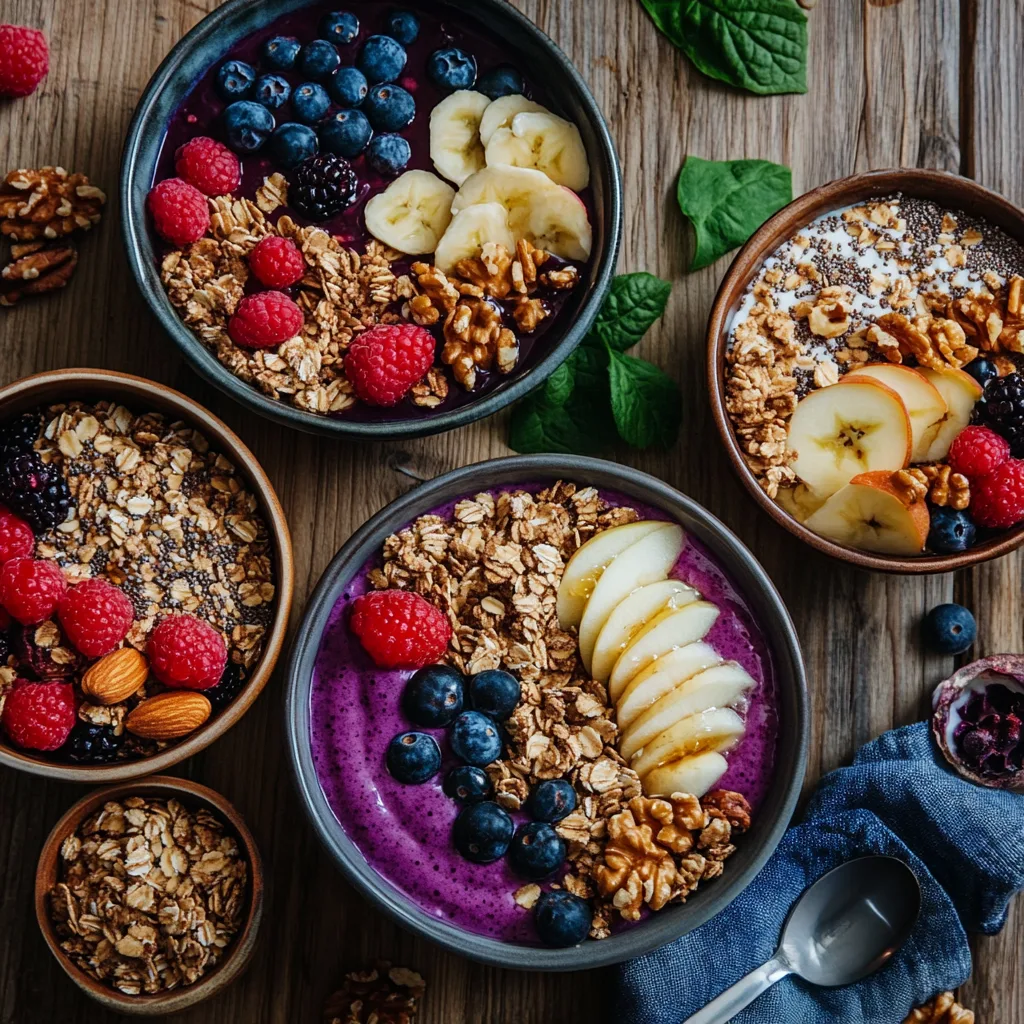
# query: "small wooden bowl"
{"points": [[192, 795], [946, 189], [141, 395]]}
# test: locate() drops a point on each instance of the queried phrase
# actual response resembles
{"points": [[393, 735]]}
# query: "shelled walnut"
{"points": [[943, 1009], [35, 268], [47, 203], [993, 320], [934, 342]]}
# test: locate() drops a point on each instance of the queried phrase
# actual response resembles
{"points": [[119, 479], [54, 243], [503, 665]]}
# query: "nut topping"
{"points": [[47, 203]]}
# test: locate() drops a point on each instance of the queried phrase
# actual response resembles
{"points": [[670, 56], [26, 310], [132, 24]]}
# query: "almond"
{"points": [[168, 716], [116, 676]]}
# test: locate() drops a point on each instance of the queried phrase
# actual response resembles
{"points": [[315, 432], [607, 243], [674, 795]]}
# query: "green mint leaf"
{"points": [[758, 45], [728, 200], [646, 402], [578, 428], [634, 304], [559, 386]]}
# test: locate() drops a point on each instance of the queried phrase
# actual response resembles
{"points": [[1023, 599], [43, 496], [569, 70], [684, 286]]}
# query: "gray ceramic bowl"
{"points": [[527, 46], [769, 823]]}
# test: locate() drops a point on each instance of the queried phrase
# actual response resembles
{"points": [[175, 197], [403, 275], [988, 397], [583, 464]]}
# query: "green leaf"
{"points": [[634, 304], [728, 200], [646, 402], [579, 428], [758, 45], [559, 386]]}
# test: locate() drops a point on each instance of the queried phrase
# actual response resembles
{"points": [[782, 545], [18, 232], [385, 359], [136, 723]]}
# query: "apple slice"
{"points": [[868, 514], [800, 501], [960, 391], [718, 687], [650, 685], [715, 729], [695, 775], [648, 560], [590, 561], [925, 406], [674, 627], [852, 427]]}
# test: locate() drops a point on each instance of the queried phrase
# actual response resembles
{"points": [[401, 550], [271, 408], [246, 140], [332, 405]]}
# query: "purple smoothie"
{"points": [[404, 832]]}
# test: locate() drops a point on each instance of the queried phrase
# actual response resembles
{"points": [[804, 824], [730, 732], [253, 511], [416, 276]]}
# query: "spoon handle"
{"points": [[724, 1007]]}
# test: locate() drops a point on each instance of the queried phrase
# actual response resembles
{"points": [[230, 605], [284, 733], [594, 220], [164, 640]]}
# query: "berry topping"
{"points": [[950, 628], [247, 125], [93, 744], [998, 499], [318, 60], [186, 653], [390, 108], [403, 26], [990, 735], [16, 537], [292, 143], [551, 800], [1002, 409], [24, 60], [310, 102], [503, 80], [468, 784], [982, 370], [482, 832], [209, 165], [235, 79], [40, 661], [348, 86], [96, 616], [35, 490], [180, 212], [346, 133], [381, 59], [951, 531], [476, 739], [280, 52], [494, 692], [433, 697], [323, 186], [339, 27], [272, 91], [384, 362], [413, 757], [229, 687], [19, 435], [389, 155], [31, 589], [562, 919], [452, 69], [976, 451], [276, 262], [39, 716], [536, 851], [264, 320], [399, 629]]}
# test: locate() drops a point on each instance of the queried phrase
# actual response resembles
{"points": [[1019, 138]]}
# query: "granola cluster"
{"points": [[380, 995]]}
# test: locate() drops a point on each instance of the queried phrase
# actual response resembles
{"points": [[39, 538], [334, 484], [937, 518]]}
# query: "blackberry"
{"points": [[93, 744], [35, 491], [322, 186], [18, 435], [1002, 409], [231, 683]]}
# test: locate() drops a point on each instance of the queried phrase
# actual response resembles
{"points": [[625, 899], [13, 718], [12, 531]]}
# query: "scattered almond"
{"points": [[116, 677], [169, 716]]}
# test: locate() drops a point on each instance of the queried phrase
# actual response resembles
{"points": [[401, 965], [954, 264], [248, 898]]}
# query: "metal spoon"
{"points": [[843, 928]]}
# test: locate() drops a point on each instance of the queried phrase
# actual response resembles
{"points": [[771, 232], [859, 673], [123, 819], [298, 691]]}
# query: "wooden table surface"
{"points": [[926, 83]]}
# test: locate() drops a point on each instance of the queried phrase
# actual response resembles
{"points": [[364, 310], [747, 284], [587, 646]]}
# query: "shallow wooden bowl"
{"points": [[946, 189], [141, 395]]}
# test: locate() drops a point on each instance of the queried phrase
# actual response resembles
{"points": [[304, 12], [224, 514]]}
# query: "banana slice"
{"points": [[470, 230], [455, 145], [501, 112], [412, 213], [559, 223], [718, 729], [541, 140], [661, 678], [695, 775]]}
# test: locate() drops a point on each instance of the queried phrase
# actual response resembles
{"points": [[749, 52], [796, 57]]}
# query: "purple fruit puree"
{"points": [[404, 832], [200, 111]]}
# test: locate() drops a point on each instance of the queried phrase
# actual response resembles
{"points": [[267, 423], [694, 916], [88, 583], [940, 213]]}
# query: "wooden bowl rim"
{"points": [[939, 185], [168, 400]]}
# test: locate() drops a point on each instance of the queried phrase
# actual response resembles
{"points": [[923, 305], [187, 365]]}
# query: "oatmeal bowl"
{"points": [[864, 363], [378, 221], [547, 712], [145, 576]]}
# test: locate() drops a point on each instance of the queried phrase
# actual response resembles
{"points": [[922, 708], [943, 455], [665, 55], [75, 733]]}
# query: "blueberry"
{"points": [[389, 154], [403, 26], [340, 27], [551, 800], [433, 697], [982, 370], [494, 692], [452, 69], [482, 832], [292, 143], [476, 739], [950, 628], [247, 125], [318, 59], [536, 851], [562, 919], [280, 52], [381, 59], [346, 133], [272, 91], [951, 531], [390, 108], [468, 784], [503, 80], [348, 86], [310, 102], [413, 757], [235, 79]]}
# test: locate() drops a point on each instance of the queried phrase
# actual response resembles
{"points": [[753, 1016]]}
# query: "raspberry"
{"points": [[179, 210], [209, 165], [400, 629], [277, 262], [16, 537], [264, 320], [187, 653], [384, 362], [976, 451], [24, 60], [30, 589], [997, 500], [40, 716], [96, 616]]}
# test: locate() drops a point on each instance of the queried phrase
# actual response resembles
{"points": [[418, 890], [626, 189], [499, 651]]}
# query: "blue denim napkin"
{"points": [[965, 843]]}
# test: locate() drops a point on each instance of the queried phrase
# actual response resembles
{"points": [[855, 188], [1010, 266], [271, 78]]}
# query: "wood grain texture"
{"points": [[885, 88]]}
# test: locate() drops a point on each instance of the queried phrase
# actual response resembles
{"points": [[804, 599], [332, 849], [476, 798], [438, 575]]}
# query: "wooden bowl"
{"points": [[141, 395], [946, 189], [192, 795]]}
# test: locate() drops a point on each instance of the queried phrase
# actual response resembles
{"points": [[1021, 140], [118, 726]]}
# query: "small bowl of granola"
{"points": [[145, 576], [864, 366], [150, 895]]}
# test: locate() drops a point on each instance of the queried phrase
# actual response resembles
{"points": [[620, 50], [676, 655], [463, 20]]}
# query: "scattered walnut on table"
{"points": [[47, 203], [942, 1009], [380, 995], [36, 268]]}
